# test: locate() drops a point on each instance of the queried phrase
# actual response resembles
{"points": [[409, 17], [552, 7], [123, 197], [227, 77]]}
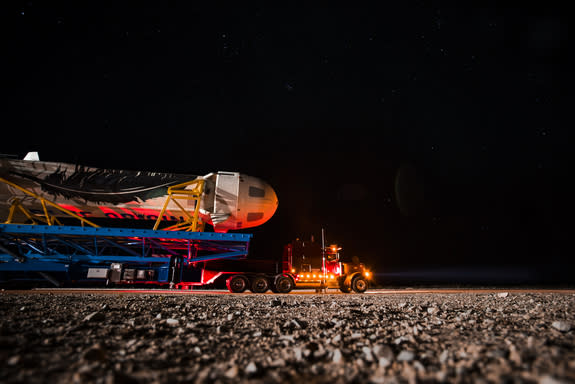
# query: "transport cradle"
{"points": [[73, 254]]}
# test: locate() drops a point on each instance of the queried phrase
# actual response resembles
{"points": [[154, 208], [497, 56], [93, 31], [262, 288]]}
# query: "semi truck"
{"points": [[316, 266], [304, 264]]}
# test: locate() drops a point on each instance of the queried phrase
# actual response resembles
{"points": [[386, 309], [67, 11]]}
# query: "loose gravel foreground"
{"points": [[325, 338]]}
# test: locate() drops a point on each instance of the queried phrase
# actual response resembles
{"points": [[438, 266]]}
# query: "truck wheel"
{"points": [[237, 284], [358, 284], [283, 284], [259, 284], [344, 289]]}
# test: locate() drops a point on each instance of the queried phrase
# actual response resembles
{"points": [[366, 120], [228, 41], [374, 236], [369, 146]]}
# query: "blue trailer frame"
{"points": [[39, 251]]}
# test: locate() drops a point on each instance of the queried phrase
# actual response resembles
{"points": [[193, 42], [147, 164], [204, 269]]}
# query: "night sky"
{"points": [[421, 137]]}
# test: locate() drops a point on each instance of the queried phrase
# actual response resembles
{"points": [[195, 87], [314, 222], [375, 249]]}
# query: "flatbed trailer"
{"points": [[74, 255]]}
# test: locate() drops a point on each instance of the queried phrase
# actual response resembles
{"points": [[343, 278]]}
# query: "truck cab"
{"points": [[312, 266]]}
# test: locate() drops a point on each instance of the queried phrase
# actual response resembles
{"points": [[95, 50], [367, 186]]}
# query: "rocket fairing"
{"points": [[230, 200]]}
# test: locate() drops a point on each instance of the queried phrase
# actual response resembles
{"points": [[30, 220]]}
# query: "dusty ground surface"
{"points": [[220, 338]]}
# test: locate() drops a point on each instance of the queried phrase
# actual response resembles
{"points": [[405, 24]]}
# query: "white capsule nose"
{"points": [[257, 202]]}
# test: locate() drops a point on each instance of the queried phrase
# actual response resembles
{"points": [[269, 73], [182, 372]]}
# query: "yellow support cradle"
{"points": [[47, 218], [192, 223]]}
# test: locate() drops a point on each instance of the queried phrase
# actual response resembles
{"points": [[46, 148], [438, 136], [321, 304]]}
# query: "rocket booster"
{"points": [[230, 200]]}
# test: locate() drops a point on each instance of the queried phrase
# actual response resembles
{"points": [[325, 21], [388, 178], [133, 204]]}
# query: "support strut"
{"points": [[192, 223], [47, 218]]}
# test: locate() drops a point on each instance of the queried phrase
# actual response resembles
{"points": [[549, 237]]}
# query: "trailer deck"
{"points": [[88, 254]]}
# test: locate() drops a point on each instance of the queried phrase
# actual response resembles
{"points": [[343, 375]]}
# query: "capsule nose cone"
{"points": [[271, 204], [258, 202]]}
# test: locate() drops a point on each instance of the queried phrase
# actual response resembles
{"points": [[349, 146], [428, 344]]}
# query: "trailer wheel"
{"points": [[259, 284], [359, 284], [237, 284], [283, 284]]}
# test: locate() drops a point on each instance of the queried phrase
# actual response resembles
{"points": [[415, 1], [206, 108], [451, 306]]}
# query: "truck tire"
{"points": [[344, 288], [259, 284], [359, 284], [283, 284], [344, 284], [237, 283]]}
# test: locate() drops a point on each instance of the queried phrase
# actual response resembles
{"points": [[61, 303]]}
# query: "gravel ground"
{"points": [[329, 338]]}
